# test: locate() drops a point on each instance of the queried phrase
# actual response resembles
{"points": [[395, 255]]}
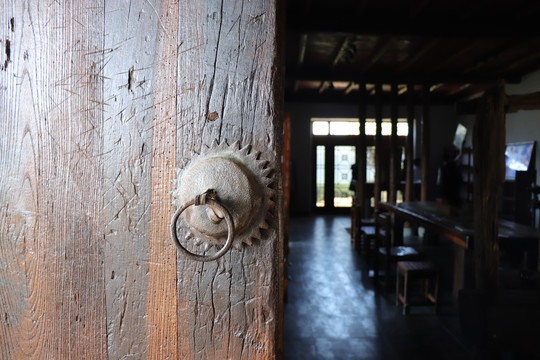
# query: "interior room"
{"points": [[416, 113]]}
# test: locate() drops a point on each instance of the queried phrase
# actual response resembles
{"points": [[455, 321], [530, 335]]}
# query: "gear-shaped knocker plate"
{"points": [[226, 199]]}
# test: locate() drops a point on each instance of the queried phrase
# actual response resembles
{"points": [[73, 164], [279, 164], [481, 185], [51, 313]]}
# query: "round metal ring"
{"points": [[230, 231]]}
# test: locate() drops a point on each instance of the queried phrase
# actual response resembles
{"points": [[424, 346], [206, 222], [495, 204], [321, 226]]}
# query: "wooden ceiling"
{"points": [[456, 48]]}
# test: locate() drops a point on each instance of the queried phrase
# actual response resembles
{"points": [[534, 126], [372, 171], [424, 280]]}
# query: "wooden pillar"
{"points": [[489, 138], [229, 90], [52, 225], [378, 145], [409, 149], [425, 144], [361, 160], [394, 160]]}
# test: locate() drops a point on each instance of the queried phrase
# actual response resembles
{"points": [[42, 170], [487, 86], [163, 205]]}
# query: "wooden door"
{"points": [[100, 103]]}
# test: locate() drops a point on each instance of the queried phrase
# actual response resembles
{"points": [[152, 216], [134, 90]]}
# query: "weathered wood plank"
{"points": [[489, 139], [162, 323], [361, 161], [377, 187], [229, 308], [409, 149], [424, 166], [51, 270], [127, 148], [394, 159]]}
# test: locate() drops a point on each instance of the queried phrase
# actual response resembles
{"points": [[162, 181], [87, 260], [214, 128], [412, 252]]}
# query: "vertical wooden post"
{"points": [[394, 161], [425, 143], [378, 145], [409, 149], [229, 90], [361, 161], [52, 241], [162, 322], [127, 158], [489, 138]]}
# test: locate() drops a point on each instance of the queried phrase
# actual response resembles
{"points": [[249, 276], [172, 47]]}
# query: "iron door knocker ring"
{"points": [[209, 198]]}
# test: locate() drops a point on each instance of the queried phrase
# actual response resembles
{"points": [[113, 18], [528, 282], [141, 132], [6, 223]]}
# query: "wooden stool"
{"points": [[417, 270]]}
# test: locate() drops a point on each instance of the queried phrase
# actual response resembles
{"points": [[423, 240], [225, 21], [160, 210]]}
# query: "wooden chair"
{"points": [[387, 253], [414, 271], [362, 230]]}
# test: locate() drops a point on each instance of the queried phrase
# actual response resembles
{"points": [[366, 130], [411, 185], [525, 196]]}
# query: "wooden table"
{"points": [[459, 229]]}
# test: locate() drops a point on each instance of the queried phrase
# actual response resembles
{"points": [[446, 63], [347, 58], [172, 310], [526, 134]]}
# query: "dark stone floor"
{"points": [[334, 311]]}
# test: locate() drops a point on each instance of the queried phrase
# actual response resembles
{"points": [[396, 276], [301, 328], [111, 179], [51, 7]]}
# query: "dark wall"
{"points": [[443, 125]]}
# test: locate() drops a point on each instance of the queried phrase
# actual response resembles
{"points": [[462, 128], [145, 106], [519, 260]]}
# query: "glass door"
{"points": [[333, 176], [344, 159]]}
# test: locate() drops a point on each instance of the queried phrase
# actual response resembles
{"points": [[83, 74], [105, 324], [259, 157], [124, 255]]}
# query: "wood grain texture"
{"points": [[127, 148], [100, 102], [229, 308], [361, 161], [377, 186], [409, 149], [162, 325], [394, 155], [489, 139], [424, 166], [51, 267]]}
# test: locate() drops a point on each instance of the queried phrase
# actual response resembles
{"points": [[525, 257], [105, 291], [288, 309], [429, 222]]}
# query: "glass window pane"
{"points": [[370, 164], [371, 128], [344, 158], [344, 128], [319, 176], [320, 127], [402, 128]]}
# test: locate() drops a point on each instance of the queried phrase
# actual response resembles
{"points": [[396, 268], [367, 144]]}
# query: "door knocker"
{"points": [[225, 199]]}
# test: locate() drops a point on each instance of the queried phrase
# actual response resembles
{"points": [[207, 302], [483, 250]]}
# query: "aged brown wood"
{"points": [[286, 175], [515, 103], [489, 136], [425, 143], [51, 234], [378, 145], [127, 159], [162, 327], [100, 103], [409, 149], [394, 160], [361, 161], [230, 308]]}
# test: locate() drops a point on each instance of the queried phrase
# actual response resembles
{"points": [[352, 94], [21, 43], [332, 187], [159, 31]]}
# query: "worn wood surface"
{"points": [[378, 147], [424, 165], [129, 95], [100, 103], [409, 148], [52, 245], [394, 158], [489, 139], [229, 308], [361, 160]]}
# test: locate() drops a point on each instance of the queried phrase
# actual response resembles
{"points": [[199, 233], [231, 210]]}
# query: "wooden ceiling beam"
{"points": [[352, 98], [349, 88], [513, 103], [463, 52], [417, 55], [431, 27], [340, 52], [302, 50], [323, 74], [382, 47]]}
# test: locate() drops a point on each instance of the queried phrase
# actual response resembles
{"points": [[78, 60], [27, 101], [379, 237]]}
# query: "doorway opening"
{"points": [[334, 158]]}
